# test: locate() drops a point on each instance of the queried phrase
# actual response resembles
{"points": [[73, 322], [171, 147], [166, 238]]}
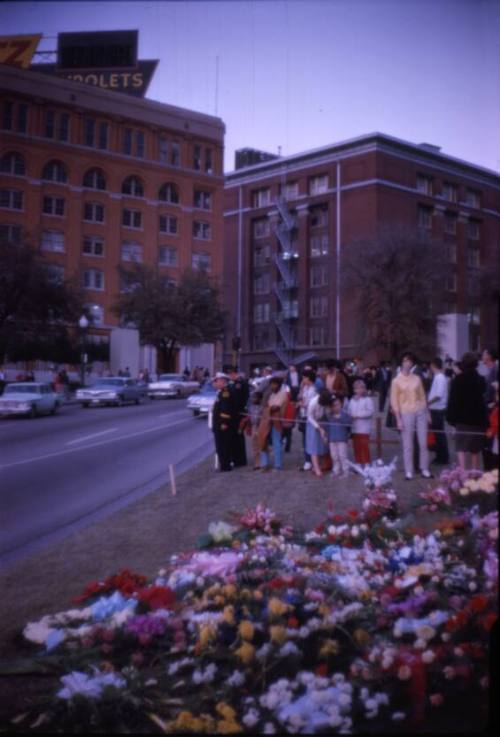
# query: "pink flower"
{"points": [[436, 699]]}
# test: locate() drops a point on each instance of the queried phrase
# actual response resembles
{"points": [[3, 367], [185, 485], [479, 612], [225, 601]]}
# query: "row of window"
{"points": [[264, 337], [318, 217], [96, 133], [55, 171], [424, 221], [427, 185]]}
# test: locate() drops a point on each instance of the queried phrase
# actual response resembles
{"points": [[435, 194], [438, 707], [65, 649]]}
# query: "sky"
{"points": [[293, 75]]}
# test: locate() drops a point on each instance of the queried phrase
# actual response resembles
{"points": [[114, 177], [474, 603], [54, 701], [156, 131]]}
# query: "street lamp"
{"points": [[83, 324]]}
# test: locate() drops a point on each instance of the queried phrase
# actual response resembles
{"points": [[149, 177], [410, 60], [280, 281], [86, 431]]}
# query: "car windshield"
{"points": [[22, 388], [107, 382], [170, 377]]}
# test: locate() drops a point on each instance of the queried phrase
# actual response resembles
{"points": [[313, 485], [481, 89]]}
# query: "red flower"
{"points": [[319, 529], [158, 597], [277, 583], [352, 513], [489, 621], [293, 623], [321, 670], [478, 603]]}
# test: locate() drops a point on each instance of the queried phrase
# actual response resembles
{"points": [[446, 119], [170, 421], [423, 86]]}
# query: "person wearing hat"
{"points": [[238, 387], [223, 420]]}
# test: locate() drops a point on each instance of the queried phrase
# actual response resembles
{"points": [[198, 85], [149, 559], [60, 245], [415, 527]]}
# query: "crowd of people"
{"points": [[333, 408]]}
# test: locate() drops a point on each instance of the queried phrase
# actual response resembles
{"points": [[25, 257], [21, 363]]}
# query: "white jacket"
{"points": [[361, 412]]}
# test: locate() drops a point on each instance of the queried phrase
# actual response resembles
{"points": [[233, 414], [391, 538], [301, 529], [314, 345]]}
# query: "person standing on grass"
{"points": [[409, 406], [316, 434], [271, 424], [306, 392], [360, 409], [437, 401], [338, 435], [467, 412]]}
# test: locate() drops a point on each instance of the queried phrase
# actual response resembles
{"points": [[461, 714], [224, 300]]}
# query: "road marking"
{"points": [[94, 435], [94, 445]]}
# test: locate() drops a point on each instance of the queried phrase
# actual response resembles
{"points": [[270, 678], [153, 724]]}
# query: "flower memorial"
{"points": [[362, 625], [463, 487]]}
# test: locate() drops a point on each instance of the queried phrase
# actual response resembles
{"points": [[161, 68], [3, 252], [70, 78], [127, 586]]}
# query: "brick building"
{"points": [[287, 221], [94, 177]]}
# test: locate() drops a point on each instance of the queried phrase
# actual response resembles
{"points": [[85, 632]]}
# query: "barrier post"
{"points": [[378, 436]]}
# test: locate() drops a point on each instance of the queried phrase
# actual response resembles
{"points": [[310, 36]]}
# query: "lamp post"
{"points": [[83, 324]]}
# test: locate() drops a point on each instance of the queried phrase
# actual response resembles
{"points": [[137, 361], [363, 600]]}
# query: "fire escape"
{"points": [[285, 288]]}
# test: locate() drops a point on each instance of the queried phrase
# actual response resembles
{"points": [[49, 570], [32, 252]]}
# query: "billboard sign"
{"points": [[17, 51]]}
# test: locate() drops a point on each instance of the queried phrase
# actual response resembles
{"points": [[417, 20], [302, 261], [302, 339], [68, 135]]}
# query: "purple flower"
{"points": [[143, 624]]}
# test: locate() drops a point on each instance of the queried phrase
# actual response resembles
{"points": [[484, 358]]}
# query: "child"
{"points": [[255, 412], [360, 410], [338, 435]]}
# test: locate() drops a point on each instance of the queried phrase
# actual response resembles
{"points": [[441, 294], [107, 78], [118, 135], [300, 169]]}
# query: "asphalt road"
{"points": [[58, 474]]}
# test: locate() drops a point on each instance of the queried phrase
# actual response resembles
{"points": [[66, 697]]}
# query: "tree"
{"points": [[397, 280], [167, 314], [35, 307]]}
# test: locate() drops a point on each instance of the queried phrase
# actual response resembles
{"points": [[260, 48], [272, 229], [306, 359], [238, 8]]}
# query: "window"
{"points": [[167, 256], [55, 273], [201, 260], [318, 216], [52, 240], [318, 307], [261, 197], [169, 192], [12, 163], [53, 205], [318, 276], [127, 141], [93, 246], [290, 308], [56, 125], [63, 129], [450, 224], [93, 212], [11, 199], [261, 228], [139, 144], [197, 157], [261, 284], [132, 218], [202, 200], [318, 185], [451, 252], [473, 230], [169, 224], [449, 192], [317, 334], [208, 161], [163, 149], [318, 245], [261, 312], [424, 217], [290, 191], [54, 171], [473, 198], [451, 282], [50, 124], [424, 184], [131, 251], [202, 230], [93, 279], [94, 179], [89, 132], [133, 187], [261, 255], [103, 135], [473, 258], [175, 155], [10, 233], [7, 115]]}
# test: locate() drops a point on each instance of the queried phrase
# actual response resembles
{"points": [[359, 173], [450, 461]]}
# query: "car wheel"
{"points": [[33, 412], [86, 405], [55, 409], [138, 400], [196, 413], [121, 400]]}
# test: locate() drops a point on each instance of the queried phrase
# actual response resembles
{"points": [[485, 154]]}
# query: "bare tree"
{"points": [[397, 280]]}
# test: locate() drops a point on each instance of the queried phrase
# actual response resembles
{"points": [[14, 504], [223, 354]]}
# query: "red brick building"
{"points": [[95, 178], [287, 221]]}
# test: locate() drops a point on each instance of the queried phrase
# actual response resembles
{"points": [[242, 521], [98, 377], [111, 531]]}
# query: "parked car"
{"points": [[112, 390], [172, 385], [202, 403], [30, 399]]}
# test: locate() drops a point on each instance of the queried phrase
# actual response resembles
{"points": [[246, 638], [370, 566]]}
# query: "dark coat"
{"points": [[466, 403]]}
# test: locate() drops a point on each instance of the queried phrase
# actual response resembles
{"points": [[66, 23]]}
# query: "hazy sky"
{"points": [[306, 73]]}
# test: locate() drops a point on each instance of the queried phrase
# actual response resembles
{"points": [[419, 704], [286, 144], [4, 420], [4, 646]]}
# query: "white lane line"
{"points": [[93, 445], [94, 435]]}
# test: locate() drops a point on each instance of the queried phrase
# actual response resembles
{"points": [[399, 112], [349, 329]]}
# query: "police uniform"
{"points": [[222, 426], [240, 391]]}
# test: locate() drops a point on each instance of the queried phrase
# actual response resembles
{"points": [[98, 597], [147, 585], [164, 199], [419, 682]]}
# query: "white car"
{"points": [[172, 385], [29, 399], [202, 403]]}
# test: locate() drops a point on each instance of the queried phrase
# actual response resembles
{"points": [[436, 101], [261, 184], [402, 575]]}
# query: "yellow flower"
{"points": [[245, 653], [258, 595], [246, 630], [278, 634], [219, 600], [226, 711], [245, 594], [362, 637], [184, 720], [329, 647], [228, 727], [228, 614], [229, 590], [277, 608], [207, 633]]}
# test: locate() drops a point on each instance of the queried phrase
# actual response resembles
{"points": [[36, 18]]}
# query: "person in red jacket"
{"points": [[490, 454]]}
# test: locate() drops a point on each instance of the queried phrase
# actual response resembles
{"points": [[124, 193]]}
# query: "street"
{"points": [[58, 474]]}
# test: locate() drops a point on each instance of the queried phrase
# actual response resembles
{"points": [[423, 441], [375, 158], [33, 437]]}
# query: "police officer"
{"points": [[223, 420], [240, 391]]}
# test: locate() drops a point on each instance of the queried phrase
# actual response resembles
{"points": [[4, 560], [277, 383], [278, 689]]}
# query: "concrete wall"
{"points": [[124, 350], [453, 335]]}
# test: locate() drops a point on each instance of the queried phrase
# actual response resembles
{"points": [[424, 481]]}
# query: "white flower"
{"points": [[269, 728], [236, 679], [428, 656], [397, 716], [251, 718]]}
